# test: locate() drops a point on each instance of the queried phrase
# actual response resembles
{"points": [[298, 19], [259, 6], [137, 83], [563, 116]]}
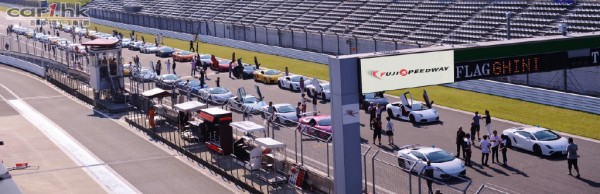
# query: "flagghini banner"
{"points": [[406, 71]]}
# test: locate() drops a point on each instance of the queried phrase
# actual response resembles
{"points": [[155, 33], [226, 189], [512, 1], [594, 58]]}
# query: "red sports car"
{"points": [[220, 65], [321, 126]]}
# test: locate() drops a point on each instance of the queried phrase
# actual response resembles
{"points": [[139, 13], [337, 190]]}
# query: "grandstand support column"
{"points": [[305, 38], [355, 44], [375, 41], [215, 27], [244, 28], [293, 44], [347, 168], [395, 43], [266, 34], [338, 43], [255, 36], [320, 32], [278, 36]]}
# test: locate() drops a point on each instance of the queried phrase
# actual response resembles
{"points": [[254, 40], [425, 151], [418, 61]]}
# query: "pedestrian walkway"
{"points": [[531, 94]]}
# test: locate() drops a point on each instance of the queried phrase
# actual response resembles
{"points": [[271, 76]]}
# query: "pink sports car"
{"points": [[321, 126]]}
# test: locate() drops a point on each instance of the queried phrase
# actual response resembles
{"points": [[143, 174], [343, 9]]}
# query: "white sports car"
{"points": [[321, 89], [445, 164], [538, 140], [285, 113], [216, 94], [292, 82], [248, 103], [413, 111]]}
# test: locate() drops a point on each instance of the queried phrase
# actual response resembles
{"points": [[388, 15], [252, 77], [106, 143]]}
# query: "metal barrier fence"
{"points": [[334, 44], [492, 189]]}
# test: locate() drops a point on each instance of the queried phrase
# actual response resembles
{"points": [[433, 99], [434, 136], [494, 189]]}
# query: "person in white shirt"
{"points": [[495, 141], [467, 149], [484, 145], [168, 63], [389, 131]]}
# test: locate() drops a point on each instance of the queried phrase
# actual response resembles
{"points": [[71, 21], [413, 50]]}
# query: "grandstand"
{"points": [[425, 22]]}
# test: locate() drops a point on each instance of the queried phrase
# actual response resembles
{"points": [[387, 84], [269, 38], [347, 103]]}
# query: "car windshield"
{"points": [[185, 53], [248, 67], [325, 87], [272, 72], [204, 56], [439, 156], [167, 49], [224, 61], [193, 83], [250, 99], [170, 77], [370, 96], [218, 91], [419, 106], [324, 122], [295, 79], [285, 109], [546, 135]]}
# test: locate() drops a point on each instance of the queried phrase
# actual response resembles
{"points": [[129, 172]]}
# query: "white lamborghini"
{"points": [[445, 164], [413, 111], [538, 140]]}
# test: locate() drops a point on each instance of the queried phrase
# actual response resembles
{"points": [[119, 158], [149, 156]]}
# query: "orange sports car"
{"points": [[183, 56]]}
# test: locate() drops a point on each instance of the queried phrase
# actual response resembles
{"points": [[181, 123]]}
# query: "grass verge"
{"points": [[564, 120], [270, 61]]}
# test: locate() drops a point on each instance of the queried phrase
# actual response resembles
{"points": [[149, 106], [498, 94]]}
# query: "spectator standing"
{"points": [[389, 130], [298, 111], [270, 114], [473, 131], [303, 100], [467, 149], [230, 69], [168, 63], [460, 135], [572, 156], [428, 172], [301, 85], [495, 141], [174, 66], [371, 110], [192, 46], [504, 148], [476, 126], [158, 67], [314, 103], [201, 79], [193, 74], [488, 122], [377, 131], [218, 82], [151, 113], [57, 34], [378, 111], [484, 145]]}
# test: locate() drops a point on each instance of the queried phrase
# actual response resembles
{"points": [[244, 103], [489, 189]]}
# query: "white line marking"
{"points": [[194, 165], [78, 153]]}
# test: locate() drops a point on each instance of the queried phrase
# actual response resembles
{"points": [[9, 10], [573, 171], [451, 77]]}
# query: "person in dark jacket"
{"points": [[460, 135]]}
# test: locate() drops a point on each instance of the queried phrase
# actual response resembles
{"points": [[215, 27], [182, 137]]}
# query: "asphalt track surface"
{"points": [[526, 173]]}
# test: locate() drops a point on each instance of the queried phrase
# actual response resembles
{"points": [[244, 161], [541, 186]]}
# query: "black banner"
{"points": [[525, 64]]}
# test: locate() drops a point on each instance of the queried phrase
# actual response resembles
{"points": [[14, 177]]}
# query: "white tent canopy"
{"points": [[247, 126], [155, 92], [190, 106], [269, 143]]}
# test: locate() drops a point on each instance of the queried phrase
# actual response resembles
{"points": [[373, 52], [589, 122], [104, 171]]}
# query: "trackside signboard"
{"points": [[406, 71]]}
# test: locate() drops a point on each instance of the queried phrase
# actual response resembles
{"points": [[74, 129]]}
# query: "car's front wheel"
{"points": [[412, 119], [265, 81], [537, 150], [280, 85], [390, 113]]}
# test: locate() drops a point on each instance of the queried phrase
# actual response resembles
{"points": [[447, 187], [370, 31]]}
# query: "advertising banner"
{"points": [[406, 71], [525, 64]]}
